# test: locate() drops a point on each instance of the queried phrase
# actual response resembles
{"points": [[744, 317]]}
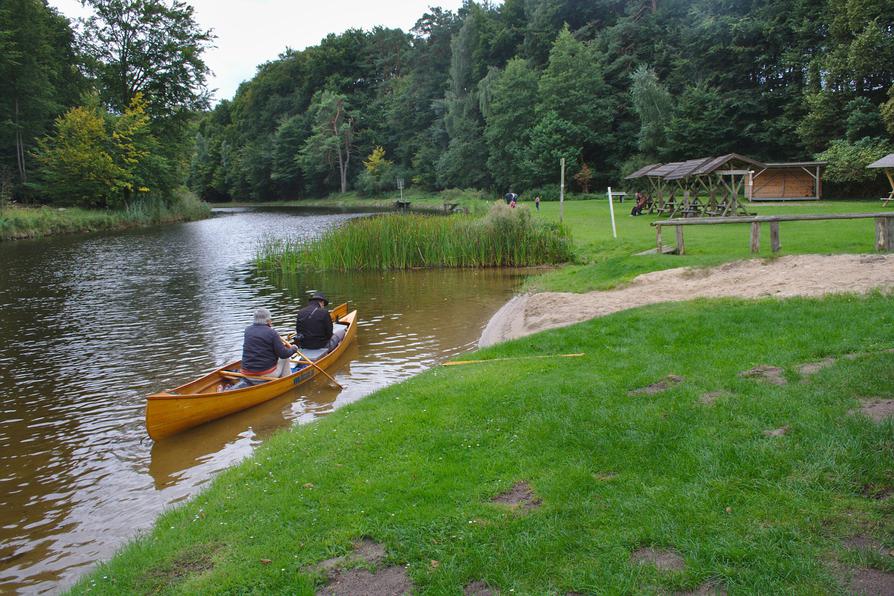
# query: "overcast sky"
{"points": [[251, 32]]}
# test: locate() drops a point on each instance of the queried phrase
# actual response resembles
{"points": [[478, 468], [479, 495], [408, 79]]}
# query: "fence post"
{"points": [[884, 229], [774, 236], [611, 210], [681, 247], [755, 237], [658, 237]]}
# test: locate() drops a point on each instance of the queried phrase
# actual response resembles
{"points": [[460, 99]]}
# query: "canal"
{"points": [[89, 325]]}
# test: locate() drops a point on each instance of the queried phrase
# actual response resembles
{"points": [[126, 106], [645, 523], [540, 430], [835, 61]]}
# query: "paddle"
{"points": [[312, 363], [316, 366]]}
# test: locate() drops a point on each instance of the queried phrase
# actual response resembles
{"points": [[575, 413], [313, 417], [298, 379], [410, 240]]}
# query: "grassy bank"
{"points": [[761, 488], [504, 238], [604, 262], [472, 201], [18, 222]]}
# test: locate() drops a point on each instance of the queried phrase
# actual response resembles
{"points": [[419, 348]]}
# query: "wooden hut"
{"points": [[887, 164], [794, 181]]}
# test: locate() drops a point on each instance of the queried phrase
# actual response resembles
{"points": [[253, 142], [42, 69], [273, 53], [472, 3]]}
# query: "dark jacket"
{"points": [[262, 347], [313, 326]]}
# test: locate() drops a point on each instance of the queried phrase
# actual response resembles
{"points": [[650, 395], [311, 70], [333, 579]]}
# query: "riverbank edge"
{"points": [[314, 471], [24, 223]]}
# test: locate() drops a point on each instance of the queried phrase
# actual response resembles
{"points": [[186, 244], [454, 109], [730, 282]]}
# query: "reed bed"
{"points": [[504, 238]]}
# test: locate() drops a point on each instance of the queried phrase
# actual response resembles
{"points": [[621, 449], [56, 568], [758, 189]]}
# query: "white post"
{"points": [[562, 194], [611, 209]]}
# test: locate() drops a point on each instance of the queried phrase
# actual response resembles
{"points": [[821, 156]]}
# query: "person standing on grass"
{"points": [[264, 353], [537, 202]]}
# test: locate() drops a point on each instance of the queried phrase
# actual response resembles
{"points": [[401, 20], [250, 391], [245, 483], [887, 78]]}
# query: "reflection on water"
{"points": [[90, 325]]}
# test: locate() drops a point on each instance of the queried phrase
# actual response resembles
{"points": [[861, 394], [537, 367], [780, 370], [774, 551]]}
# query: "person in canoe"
{"points": [[264, 353], [314, 330]]}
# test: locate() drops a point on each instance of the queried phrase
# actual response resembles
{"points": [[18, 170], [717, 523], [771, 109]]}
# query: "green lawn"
{"points": [[604, 261], [415, 466]]}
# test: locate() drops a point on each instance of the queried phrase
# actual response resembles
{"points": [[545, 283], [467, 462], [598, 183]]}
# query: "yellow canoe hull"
{"points": [[203, 400]]}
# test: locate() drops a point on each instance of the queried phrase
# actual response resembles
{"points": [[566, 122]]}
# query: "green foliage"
{"points": [[848, 161], [654, 106], [153, 47], [510, 117], [331, 143], [504, 238], [39, 81], [97, 159]]}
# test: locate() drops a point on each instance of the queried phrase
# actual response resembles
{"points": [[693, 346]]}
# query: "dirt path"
{"points": [[798, 275]]}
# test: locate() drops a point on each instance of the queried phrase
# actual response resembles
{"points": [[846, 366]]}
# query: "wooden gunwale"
{"points": [[191, 404]]}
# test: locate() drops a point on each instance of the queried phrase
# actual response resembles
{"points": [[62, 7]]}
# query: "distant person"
{"points": [[641, 200], [537, 202], [313, 325], [514, 201], [263, 351]]}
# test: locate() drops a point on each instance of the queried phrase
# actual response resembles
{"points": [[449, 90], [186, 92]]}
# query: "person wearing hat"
{"points": [[313, 327]]}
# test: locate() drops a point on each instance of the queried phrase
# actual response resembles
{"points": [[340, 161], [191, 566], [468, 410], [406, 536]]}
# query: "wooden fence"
{"points": [[884, 228]]}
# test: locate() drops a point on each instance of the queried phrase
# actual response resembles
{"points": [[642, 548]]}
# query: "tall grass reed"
{"points": [[503, 238]]}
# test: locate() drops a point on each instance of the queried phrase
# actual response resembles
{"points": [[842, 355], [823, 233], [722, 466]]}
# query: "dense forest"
{"points": [[492, 96]]}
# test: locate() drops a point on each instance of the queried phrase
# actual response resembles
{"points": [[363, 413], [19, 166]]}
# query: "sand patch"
{"points": [[811, 368], [776, 432], [657, 387], [795, 275], [876, 409], [863, 542], [706, 589], [390, 581], [479, 588], [765, 372], [365, 550], [520, 496], [663, 559], [711, 396], [871, 582]]}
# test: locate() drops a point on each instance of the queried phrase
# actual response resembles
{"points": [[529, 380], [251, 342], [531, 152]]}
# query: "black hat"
{"points": [[318, 296]]}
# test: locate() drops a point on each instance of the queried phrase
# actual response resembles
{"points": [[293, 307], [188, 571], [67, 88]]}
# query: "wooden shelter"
{"points": [[887, 164], [800, 180], [722, 180]]}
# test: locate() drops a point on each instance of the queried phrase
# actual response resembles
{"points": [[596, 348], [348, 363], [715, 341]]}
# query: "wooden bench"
{"points": [[884, 228], [402, 205]]}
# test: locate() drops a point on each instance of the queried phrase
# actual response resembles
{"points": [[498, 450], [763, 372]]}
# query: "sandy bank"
{"points": [[797, 275]]}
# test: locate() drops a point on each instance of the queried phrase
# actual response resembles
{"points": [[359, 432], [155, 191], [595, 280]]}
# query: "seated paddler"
{"points": [[314, 330], [264, 353]]}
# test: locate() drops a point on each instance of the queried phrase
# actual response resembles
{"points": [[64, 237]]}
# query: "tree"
{"points": [[583, 177], [79, 163], [510, 115], [39, 79], [151, 47], [332, 140], [653, 104], [848, 161]]}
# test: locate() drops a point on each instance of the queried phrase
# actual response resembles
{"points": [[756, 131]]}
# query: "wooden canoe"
{"points": [[205, 399]]}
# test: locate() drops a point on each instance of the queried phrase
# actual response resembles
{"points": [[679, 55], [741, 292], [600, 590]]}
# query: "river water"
{"points": [[91, 324]]}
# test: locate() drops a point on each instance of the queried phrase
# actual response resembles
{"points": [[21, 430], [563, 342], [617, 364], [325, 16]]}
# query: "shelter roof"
{"points": [[642, 171], [686, 168], [797, 164], [885, 162], [664, 169], [715, 163]]}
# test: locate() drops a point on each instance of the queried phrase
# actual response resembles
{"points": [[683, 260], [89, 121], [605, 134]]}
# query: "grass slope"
{"points": [[36, 222], [416, 465]]}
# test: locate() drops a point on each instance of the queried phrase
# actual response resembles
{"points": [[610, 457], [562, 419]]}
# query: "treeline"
{"points": [[100, 114], [493, 95]]}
